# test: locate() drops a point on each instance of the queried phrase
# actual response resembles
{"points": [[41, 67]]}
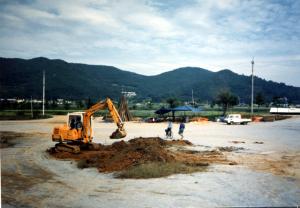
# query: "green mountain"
{"points": [[23, 78]]}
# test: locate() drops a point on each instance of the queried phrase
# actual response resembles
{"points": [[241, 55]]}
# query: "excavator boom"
{"points": [[87, 130]]}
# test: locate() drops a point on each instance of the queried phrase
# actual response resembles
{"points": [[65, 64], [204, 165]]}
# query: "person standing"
{"points": [[169, 129], [181, 129]]}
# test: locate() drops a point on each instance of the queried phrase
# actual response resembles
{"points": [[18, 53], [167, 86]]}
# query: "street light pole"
{"points": [[31, 108], [43, 92], [193, 102], [252, 93]]}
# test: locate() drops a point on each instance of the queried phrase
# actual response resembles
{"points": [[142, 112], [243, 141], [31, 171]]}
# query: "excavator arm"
{"points": [[87, 130]]}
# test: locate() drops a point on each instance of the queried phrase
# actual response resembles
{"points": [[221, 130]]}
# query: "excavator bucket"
{"points": [[118, 134]]}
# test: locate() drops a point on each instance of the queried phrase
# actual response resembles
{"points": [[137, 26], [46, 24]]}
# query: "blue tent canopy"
{"points": [[187, 108], [164, 110]]}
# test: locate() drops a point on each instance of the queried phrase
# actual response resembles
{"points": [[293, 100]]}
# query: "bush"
{"points": [[36, 113], [158, 169], [60, 113], [82, 164], [20, 113]]}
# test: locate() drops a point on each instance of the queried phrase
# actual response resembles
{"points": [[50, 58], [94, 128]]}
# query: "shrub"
{"points": [[82, 164], [158, 169]]}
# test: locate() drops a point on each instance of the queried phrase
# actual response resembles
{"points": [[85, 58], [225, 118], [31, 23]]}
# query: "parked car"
{"points": [[236, 119], [150, 120], [220, 119]]}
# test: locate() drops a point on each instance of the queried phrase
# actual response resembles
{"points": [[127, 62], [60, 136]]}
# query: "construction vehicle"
{"points": [[78, 131]]}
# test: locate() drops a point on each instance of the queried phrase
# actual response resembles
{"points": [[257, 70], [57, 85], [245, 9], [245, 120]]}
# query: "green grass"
{"points": [[22, 115], [158, 169], [143, 113], [210, 113]]}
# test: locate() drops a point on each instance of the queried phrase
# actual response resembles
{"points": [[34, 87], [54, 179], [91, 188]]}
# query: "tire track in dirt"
{"points": [[21, 172]]}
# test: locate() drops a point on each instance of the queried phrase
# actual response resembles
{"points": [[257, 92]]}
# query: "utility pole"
{"points": [[252, 93], [193, 102], [43, 92], [31, 108]]}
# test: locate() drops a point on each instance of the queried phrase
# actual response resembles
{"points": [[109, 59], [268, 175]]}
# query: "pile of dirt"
{"points": [[199, 119], [271, 118], [201, 158], [278, 163], [124, 155], [179, 142]]}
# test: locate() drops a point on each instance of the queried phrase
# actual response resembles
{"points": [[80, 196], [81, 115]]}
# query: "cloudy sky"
{"points": [[153, 36]]}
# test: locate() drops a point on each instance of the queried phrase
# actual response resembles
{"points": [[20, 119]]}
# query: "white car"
{"points": [[236, 119]]}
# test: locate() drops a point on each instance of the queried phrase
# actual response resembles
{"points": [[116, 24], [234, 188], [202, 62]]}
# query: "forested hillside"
{"points": [[23, 78]]}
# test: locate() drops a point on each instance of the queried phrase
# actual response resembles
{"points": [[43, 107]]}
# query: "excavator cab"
{"points": [[74, 120], [77, 118]]}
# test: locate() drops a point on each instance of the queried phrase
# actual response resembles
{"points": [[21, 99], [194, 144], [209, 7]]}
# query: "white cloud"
{"points": [[150, 37]]}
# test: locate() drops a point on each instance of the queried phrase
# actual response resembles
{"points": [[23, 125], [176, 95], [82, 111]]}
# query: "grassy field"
{"points": [[210, 113], [22, 115]]}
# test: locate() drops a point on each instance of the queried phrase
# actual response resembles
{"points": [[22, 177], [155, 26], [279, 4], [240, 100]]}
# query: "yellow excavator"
{"points": [[78, 131]]}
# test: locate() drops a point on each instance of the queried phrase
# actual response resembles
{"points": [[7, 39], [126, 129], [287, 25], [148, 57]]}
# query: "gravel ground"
{"points": [[267, 173]]}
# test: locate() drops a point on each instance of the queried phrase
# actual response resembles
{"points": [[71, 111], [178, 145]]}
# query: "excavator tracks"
{"points": [[77, 147], [67, 148]]}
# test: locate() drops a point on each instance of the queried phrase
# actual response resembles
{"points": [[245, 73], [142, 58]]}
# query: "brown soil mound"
{"points": [[123, 155], [284, 163]]}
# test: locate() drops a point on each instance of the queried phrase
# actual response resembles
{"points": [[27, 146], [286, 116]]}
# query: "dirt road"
{"points": [[267, 173]]}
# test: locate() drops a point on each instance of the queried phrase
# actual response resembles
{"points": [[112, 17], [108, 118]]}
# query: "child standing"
{"points": [[181, 129]]}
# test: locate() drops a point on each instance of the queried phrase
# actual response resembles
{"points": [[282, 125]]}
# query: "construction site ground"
{"points": [[265, 169]]}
